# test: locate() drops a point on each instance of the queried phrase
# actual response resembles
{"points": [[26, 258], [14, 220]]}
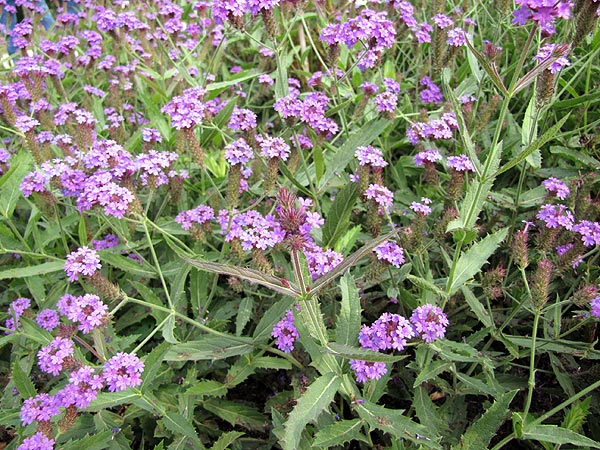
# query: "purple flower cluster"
{"points": [[47, 319], [557, 187], [15, 311], [370, 156], [252, 229], [88, 311], [321, 261], [555, 216], [390, 252], [422, 207], [434, 129], [84, 385], [310, 110], [84, 261], [380, 195], [197, 216], [595, 304], [285, 332], [589, 231], [52, 357], [543, 12], [242, 120], [387, 100], [109, 241], [550, 50], [392, 332], [122, 371], [238, 152], [432, 93], [40, 408], [273, 147], [460, 163], [187, 110], [428, 156], [37, 442]]}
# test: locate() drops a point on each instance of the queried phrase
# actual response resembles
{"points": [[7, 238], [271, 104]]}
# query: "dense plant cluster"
{"points": [[287, 224]]}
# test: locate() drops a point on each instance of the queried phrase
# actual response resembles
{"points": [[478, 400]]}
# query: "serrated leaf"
{"points": [[252, 275], [394, 422], [268, 320], [471, 261], [208, 388], [529, 131], [480, 433], [236, 413], [210, 347], [96, 441], [39, 269], [152, 364], [477, 308], [558, 435], [576, 415], [22, 382], [339, 433], [10, 183], [310, 405], [226, 439], [272, 362], [110, 399], [342, 157], [347, 263], [337, 220], [427, 285], [348, 321], [238, 79], [427, 412], [180, 425], [244, 315], [476, 385], [460, 352], [432, 370], [168, 330], [349, 352]]}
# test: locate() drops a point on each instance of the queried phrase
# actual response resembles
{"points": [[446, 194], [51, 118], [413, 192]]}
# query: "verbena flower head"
{"points": [[47, 319], [429, 322], [273, 147], [122, 371], [155, 168], [595, 304], [84, 385], [89, 311], [242, 119], [40, 408], [197, 216], [254, 230], [390, 252], [543, 12], [321, 261], [285, 332], [427, 156], [84, 261], [109, 241], [392, 331], [423, 207], [555, 216], [238, 152], [432, 93], [37, 442], [589, 231], [370, 156], [380, 195], [15, 311], [187, 110], [367, 370], [457, 37], [460, 163], [51, 358], [557, 187]]}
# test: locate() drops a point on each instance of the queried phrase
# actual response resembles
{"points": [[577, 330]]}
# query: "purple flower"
{"points": [[52, 357], [369, 88], [186, 110], [432, 93], [457, 37], [25, 123], [285, 332], [289, 106], [392, 331], [266, 79], [370, 156], [84, 261], [589, 231], [238, 152], [321, 261], [254, 230], [390, 252], [273, 147], [65, 303], [151, 135], [461, 163], [380, 195], [421, 208], [109, 241], [199, 215], [595, 304], [47, 319], [430, 156], [367, 370], [40, 408], [155, 168], [557, 187], [429, 322], [386, 101], [242, 119], [89, 311], [122, 371], [423, 32], [550, 50], [544, 12], [442, 21], [82, 390], [555, 216], [37, 442]]}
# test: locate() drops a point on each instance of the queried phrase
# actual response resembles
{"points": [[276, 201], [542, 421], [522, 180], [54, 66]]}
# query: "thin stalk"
{"points": [[156, 263], [531, 382]]}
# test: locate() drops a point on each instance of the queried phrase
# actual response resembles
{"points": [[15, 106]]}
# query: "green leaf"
{"points": [[471, 261], [426, 285], [168, 329], [268, 320], [210, 347], [244, 315], [236, 413], [226, 439], [281, 80], [10, 192], [255, 276], [557, 435], [337, 221], [342, 157], [22, 382], [576, 415], [481, 432], [432, 370], [348, 321], [315, 399], [272, 362], [126, 264], [529, 131], [460, 352], [339, 433], [394, 422], [319, 163], [477, 307], [476, 385], [550, 134], [110, 399], [180, 425], [349, 352], [242, 76], [22, 272], [152, 365], [490, 69], [427, 412], [208, 388], [345, 242], [96, 441]]}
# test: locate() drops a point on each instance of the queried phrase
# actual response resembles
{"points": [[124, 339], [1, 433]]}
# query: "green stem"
{"points": [[531, 382], [156, 262]]}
